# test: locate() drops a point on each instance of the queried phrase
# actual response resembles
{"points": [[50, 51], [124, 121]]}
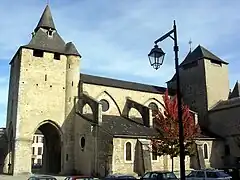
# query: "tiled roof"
{"points": [[120, 126], [97, 80], [41, 41]]}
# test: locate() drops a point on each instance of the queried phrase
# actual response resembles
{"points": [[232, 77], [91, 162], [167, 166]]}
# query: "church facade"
{"points": [[97, 125]]}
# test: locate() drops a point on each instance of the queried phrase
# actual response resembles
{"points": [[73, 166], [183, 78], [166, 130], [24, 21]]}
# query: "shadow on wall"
{"points": [[6, 151], [216, 158], [3, 150], [138, 167]]}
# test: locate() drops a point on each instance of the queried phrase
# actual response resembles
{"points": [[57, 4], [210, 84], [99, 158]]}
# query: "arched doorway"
{"points": [[46, 149]]}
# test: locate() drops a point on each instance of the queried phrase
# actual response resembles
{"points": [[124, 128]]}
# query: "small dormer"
{"points": [[50, 33]]}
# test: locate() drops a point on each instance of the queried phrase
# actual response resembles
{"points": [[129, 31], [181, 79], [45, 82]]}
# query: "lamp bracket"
{"points": [[164, 36]]}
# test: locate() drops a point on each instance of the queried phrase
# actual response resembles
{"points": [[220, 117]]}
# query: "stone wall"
{"points": [[225, 122], [203, 85], [120, 165], [117, 97], [40, 97]]}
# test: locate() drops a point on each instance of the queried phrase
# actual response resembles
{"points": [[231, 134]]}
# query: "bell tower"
{"points": [[42, 89]]}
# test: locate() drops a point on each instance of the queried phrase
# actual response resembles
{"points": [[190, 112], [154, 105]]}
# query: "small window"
{"points": [[153, 106], [216, 63], [36, 139], [72, 83], [33, 150], [154, 153], [105, 105], [45, 77], [128, 151], [69, 65], [37, 53], [57, 56], [83, 142], [50, 32], [205, 147], [39, 150], [66, 157]]}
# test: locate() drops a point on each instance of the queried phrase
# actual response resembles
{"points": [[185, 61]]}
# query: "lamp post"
{"points": [[156, 57]]}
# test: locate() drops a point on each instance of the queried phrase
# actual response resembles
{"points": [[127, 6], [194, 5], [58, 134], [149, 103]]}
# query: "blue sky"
{"points": [[115, 36]]}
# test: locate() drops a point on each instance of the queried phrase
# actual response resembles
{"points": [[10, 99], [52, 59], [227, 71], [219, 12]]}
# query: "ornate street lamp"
{"points": [[156, 57]]}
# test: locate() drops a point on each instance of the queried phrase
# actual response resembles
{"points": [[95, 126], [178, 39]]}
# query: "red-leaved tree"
{"points": [[167, 123]]}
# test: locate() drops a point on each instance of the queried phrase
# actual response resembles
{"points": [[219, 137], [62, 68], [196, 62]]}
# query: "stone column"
{"points": [[22, 156]]}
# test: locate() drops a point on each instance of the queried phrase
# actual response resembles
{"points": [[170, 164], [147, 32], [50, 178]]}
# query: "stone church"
{"points": [[99, 125]]}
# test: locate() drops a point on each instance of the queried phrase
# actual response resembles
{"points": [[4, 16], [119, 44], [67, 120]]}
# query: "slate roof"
{"points": [[103, 81], [42, 41], [226, 104], [236, 91], [46, 20], [206, 134], [198, 53], [119, 126]]}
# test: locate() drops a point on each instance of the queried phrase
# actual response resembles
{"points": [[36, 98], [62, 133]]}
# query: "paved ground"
{"points": [[23, 177]]}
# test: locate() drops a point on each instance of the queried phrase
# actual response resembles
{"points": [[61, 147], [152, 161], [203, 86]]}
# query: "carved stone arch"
{"points": [[107, 96], [54, 124], [52, 146]]}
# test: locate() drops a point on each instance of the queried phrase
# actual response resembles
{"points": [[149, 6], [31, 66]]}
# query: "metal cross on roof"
{"points": [[190, 44]]}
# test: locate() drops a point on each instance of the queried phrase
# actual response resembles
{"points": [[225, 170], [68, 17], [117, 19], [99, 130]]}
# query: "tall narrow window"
{"points": [[72, 83], [45, 77], [128, 151], [33, 150], [39, 150], [205, 149]]}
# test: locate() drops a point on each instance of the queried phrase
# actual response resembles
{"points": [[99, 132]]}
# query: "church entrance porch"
{"points": [[46, 150]]}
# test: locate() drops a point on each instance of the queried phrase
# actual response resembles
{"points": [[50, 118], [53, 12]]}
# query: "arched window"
{"points": [[205, 150], [153, 106], [105, 105], [128, 151]]}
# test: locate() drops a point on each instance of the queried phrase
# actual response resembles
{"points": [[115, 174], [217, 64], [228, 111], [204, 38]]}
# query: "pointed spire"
{"points": [[46, 21]]}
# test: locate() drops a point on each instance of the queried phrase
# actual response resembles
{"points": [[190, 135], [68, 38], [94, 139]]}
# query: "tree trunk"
{"points": [[172, 162]]}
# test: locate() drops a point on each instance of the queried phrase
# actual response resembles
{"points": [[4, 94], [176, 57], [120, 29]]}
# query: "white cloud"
{"points": [[114, 37]]}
